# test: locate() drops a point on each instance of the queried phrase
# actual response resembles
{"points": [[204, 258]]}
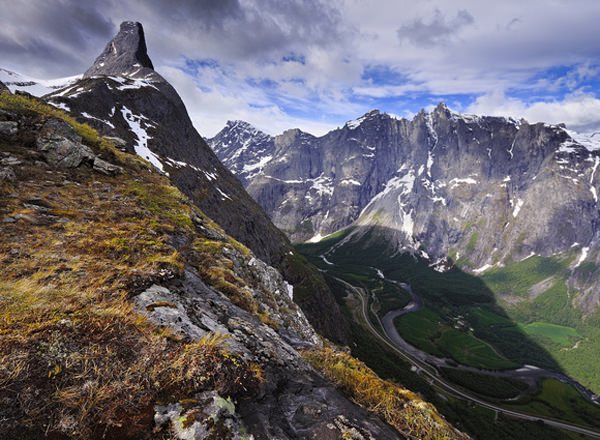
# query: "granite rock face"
{"points": [[489, 190], [122, 97]]}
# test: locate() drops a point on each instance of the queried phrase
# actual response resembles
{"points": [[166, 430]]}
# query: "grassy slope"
{"points": [[76, 360]]}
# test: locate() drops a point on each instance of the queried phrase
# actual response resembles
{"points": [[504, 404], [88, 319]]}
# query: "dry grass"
{"points": [[76, 361], [401, 408]]}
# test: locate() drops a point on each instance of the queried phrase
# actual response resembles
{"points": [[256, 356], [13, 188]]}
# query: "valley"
{"points": [[454, 357]]}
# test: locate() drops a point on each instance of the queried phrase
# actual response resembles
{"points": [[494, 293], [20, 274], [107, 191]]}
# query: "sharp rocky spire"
{"points": [[125, 55]]}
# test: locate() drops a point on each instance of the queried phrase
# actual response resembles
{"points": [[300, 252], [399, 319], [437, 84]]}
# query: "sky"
{"points": [[314, 65]]}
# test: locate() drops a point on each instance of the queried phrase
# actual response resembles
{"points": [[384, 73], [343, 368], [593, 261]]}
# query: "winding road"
{"points": [[392, 339]]}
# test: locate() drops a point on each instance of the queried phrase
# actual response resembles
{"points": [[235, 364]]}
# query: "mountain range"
{"points": [[476, 191]]}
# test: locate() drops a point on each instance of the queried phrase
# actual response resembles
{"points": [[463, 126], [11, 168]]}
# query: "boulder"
{"points": [[8, 128], [105, 167], [7, 174], [61, 145]]}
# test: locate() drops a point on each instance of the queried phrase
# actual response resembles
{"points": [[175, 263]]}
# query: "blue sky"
{"points": [[315, 64]]}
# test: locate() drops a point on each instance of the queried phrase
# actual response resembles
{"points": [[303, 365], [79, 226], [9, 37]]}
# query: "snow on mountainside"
{"points": [[37, 87]]}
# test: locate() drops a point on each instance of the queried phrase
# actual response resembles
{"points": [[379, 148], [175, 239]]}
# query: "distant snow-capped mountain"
{"points": [[37, 87]]}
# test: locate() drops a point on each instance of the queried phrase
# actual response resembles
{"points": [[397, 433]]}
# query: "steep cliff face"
{"points": [[481, 190], [124, 98]]}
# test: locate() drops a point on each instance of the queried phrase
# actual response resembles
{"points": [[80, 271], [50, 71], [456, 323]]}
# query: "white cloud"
{"points": [[579, 111], [436, 47], [210, 108]]}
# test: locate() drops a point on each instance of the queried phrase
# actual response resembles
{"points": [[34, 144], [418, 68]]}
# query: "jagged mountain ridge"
{"points": [[482, 190], [122, 97]]}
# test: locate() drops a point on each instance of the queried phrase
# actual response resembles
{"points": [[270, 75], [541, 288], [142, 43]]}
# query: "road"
{"points": [[433, 378]]}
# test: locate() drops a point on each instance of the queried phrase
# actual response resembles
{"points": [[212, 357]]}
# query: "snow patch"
{"points": [[518, 206], [430, 161], [456, 182], [349, 182], [583, 256], [37, 87], [290, 290], [590, 141], [482, 268], [258, 165], [224, 196], [141, 145], [318, 237], [592, 188], [88, 116], [355, 123], [131, 83]]}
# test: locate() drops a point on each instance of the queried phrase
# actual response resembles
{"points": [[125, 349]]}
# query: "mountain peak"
{"points": [[356, 122], [441, 107], [125, 55]]}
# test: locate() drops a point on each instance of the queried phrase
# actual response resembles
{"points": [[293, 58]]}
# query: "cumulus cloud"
{"points": [[439, 29], [307, 63], [579, 111]]}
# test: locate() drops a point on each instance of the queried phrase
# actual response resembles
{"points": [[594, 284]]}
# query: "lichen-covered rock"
{"points": [[7, 174], [295, 402], [8, 128], [207, 414], [61, 145], [105, 167]]}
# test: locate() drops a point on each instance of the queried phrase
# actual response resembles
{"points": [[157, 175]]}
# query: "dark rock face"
{"points": [[124, 55], [3, 87], [121, 96], [488, 189]]}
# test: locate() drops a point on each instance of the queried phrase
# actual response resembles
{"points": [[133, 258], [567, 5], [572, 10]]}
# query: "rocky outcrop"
{"points": [[121, 96], [8, 128], [105, 167], [294, 403], [3, 87], [61, 145]]}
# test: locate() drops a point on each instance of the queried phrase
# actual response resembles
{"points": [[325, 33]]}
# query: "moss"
{"points": [[153, 306], [472, 243]]}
